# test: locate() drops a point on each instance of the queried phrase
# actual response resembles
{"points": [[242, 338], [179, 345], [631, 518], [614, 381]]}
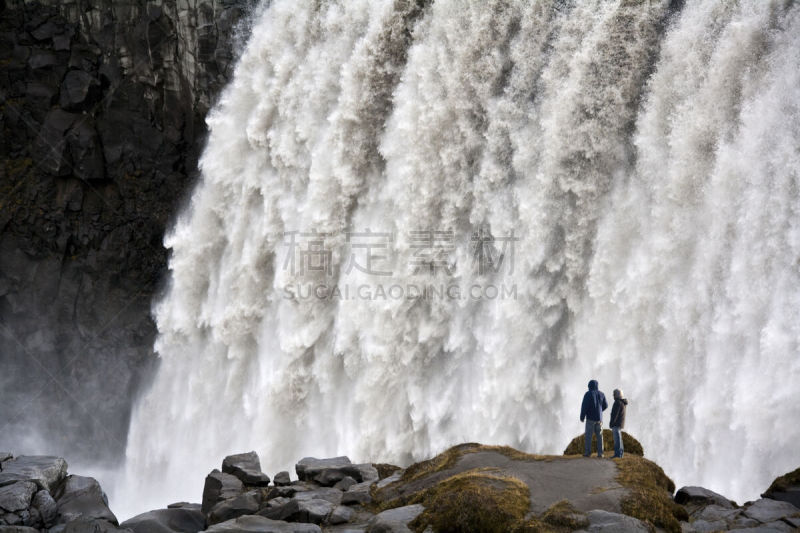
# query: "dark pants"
{"points": [[596, 427]]}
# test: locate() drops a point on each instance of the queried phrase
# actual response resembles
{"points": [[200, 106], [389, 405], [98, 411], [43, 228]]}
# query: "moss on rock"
{"points": [[785, 481], [650, 494], [475, 500]]}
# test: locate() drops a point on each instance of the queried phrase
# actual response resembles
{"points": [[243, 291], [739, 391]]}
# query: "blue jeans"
{"points": [[593, 427], [618, 447]]}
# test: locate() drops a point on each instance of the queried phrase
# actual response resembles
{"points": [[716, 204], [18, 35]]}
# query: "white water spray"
{"points": [[649, 173]]}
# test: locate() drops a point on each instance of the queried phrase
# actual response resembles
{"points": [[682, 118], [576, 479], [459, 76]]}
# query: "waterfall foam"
{"points": [[648, 173]]}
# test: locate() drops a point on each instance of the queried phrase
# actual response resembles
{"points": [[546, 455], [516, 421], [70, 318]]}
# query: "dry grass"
{"points": [[785, 481], [650, 498], [631, 445], [450, 457], [385, 470]]}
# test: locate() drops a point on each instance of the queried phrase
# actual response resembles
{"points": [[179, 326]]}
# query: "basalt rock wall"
{"points": [[101, 117]]}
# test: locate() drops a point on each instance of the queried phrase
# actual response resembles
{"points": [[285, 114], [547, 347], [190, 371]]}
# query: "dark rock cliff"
{"points": [[101, 118]]}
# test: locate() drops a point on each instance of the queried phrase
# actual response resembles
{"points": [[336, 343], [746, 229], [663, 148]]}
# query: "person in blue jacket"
{"points": [[594, 403]]}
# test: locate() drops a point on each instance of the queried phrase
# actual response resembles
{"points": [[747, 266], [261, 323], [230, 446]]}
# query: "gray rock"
{"points": [[712, 513], [290, 490], [340, 515], [702, 526], [345, 483], [247, 503], [185, 505], [390, 479], [247, 467], [367, 473], [283, 511], [328, 472], [18, 529], [395, 520], [772, 527], [219, 486], [357, 494], [701, 496], [604, 521], [767, 510], [44, 470], [88, 525], [17, 496], [309, 511], [793, 521], [282, 479], [47, 507], [742, 522], [277, 502], [170, 520], [82, 497], [329, 494], [791, 495], [79, 88], [12, 519], [260, 524], [315, 511]]}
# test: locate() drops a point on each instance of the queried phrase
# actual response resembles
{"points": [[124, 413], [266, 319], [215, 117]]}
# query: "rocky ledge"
{"points": [[468, 488]]}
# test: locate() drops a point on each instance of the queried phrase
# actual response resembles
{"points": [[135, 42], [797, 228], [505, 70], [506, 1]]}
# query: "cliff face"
{"points": [[101, 118]]}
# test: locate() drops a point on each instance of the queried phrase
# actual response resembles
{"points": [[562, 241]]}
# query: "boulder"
{"points": [[394, 520], [282, 479], [345, 483], [714, 512], [247, 503], [308, 511], [329, 494], [604, 521], [44, 470], [82, 497], [357, 494], [47, 507], [328, 472], [397, 476], [17, 496], [247, 467], [219, 486], [78, 89], [184, 505], [767, 510], [340, 515], [170, 520], [701, 496], [18, 529], [260, 524]]}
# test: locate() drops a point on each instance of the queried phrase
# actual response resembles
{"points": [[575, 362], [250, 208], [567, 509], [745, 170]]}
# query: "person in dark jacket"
{"points": [[618, 421], [594, 403]]}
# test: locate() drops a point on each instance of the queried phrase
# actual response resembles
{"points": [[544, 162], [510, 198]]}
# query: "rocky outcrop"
{"points": [[36, 494], [785, 488], [470, 487], [101, 115]]}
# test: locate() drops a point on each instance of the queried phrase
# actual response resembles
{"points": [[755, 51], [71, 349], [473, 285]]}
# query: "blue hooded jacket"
{"points": [[594, 403]]}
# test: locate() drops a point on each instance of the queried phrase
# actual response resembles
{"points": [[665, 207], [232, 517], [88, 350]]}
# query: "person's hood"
{"points": [[623, 400], [593, 385]]}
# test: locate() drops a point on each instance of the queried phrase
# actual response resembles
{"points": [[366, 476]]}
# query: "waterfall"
{"points": [[623, 174]]}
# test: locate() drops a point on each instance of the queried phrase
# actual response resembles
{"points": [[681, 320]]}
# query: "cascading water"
{"points": [[636, 165]]}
